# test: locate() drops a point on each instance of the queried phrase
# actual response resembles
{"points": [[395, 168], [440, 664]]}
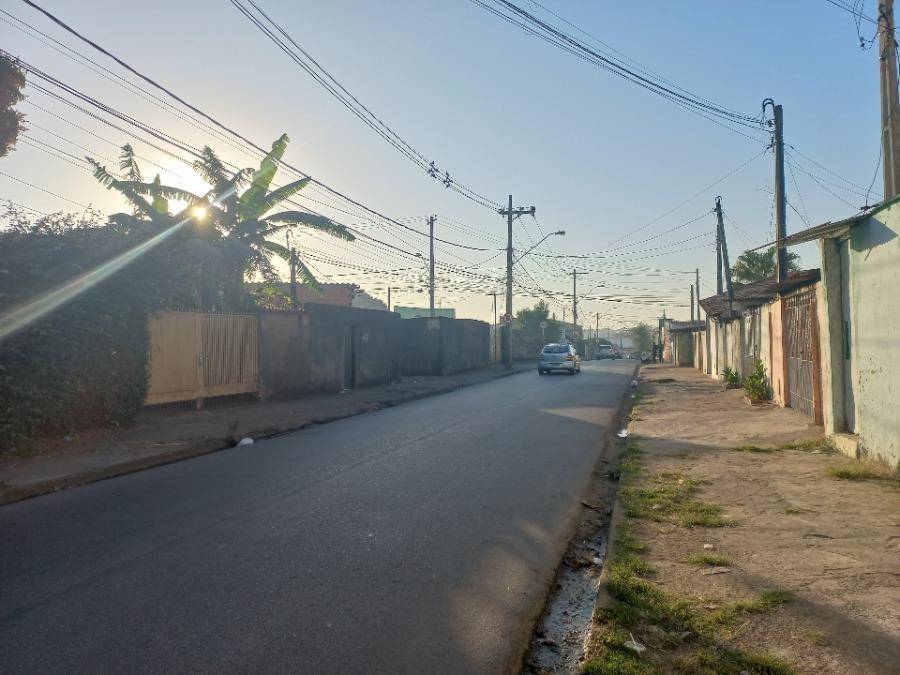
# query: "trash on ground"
{"points": [[623, 433], [245, 441], [634, 645], [716, 570], [708, 547]]}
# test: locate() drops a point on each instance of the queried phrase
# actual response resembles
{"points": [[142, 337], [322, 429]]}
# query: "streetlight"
{"points": [[560, 233]]}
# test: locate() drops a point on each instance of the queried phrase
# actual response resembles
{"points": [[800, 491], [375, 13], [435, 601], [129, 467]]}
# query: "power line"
{"points": [[324, 78], [198, 111], [539, 28]]}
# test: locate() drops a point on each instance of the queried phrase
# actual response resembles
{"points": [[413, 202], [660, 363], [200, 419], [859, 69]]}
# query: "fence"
{"points": [[195, 356]]}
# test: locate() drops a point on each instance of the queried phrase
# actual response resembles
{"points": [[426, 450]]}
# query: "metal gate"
{"points": [[751, 340], [801, 335], [195, 355]]}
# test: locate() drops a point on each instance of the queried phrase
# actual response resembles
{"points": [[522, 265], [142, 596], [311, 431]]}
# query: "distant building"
{"points": [[424, 312]]}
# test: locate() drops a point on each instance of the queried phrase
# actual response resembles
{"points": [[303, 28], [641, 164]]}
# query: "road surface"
{"points": [[417, 539]]}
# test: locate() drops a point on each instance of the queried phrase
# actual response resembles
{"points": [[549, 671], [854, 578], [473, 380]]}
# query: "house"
{"points": [[775, 324], [860, 330]]}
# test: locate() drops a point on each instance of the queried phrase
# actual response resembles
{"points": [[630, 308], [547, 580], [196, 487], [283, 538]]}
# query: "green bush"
{"points": [[85, 363], [732, 378], [756, 384]]}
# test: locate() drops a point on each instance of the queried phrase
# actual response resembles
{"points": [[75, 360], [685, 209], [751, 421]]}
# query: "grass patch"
{"points": [[668, 499], [755, 448], [814, 636], [791, 511], [810, 445], [854, 472], [688, 455], [661, 620], [708, 560], [727, 661]]}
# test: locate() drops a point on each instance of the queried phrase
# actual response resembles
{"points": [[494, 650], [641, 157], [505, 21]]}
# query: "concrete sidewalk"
{"points": [[743, 543], [162, 436]]}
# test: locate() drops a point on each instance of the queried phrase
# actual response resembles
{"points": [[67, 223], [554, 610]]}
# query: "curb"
{"points": [[12, 494], [517, 662]]}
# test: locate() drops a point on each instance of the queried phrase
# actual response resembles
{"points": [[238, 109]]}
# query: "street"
{"points": [[420, 538]]}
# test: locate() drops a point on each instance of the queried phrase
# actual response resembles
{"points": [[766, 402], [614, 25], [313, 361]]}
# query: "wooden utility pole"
{"points": [[721, 230], [431, 264], [510, 213], [890, 115]]}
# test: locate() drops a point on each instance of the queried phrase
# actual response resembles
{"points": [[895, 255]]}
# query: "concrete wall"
{"points": [[442, 346], [874, 277], [303, 352]]}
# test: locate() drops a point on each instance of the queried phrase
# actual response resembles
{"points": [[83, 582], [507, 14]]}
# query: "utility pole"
{"points": [[494, 296], [697, 292], [719, 287], [890, 121], [510, 213], [293, 262], [575, 274], [389, 298], [692, 303], [431, 220], [721, 230], [781, 268]]}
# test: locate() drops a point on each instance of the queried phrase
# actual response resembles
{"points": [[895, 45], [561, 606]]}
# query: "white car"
{"points": [[559, 357]]}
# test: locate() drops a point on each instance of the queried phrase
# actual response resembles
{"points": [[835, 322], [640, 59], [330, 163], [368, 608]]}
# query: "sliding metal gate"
{"points": [[802, 351]]}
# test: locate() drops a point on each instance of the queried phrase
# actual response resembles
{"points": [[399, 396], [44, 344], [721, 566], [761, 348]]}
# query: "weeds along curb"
{"points": [[607, 455], [12, 494]]}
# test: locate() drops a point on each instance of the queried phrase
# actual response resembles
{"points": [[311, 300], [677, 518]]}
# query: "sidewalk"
{"points": [[162, 436], [737, 549]]}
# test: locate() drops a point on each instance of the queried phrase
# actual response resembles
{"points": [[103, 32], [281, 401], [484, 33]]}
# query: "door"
{"points": [[800, 332], [349, 357], [847, 346]]}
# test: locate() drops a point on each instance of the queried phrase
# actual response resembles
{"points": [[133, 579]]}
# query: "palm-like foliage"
{"points": [[758, 265], [238, 204]]}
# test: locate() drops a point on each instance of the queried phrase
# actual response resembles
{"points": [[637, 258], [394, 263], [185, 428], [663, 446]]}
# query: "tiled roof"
{"points": [[759, 292]]}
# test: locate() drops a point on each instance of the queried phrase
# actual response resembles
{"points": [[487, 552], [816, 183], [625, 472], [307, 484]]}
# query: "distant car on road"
{"points": [[605, 352], [559, 357]]}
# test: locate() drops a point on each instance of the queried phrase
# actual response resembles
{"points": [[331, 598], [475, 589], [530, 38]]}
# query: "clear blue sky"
{"points": [[503, 111]]}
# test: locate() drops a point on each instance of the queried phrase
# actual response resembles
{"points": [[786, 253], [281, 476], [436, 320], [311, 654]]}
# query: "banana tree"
{"points": [[240, 205]]}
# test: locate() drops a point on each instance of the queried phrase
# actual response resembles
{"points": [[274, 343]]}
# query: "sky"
{"points": [[503, 112]]}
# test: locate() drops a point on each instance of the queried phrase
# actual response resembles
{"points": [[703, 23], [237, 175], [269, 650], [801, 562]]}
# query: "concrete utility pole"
{"points": [[781, 268], [575, 274], [431, 220], [697, 292], [721, 230], [890, 116], [719, 287], [692, 303], [293, 261], [510, 213], [389, 298], [494, 296]]}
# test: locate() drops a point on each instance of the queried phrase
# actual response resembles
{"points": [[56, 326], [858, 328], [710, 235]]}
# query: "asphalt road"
{"points": [[421, 539]]}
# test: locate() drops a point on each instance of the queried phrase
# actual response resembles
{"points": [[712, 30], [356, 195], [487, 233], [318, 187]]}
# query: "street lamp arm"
{"points": [[560, 233]]}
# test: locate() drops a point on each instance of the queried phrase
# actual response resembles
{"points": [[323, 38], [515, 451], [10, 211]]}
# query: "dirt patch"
{"points": [[806, 576]]}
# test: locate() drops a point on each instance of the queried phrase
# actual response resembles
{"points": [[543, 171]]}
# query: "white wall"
{"points": [[875, 333]]}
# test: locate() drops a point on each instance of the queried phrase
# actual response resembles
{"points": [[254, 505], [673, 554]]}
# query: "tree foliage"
{"points": [[239, 207], [12, 81], [531, 318], [85, 364], [758, 265], [642, 334]]}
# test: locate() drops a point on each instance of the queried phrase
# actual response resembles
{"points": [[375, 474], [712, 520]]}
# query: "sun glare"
{"points": [[199, 212]]}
